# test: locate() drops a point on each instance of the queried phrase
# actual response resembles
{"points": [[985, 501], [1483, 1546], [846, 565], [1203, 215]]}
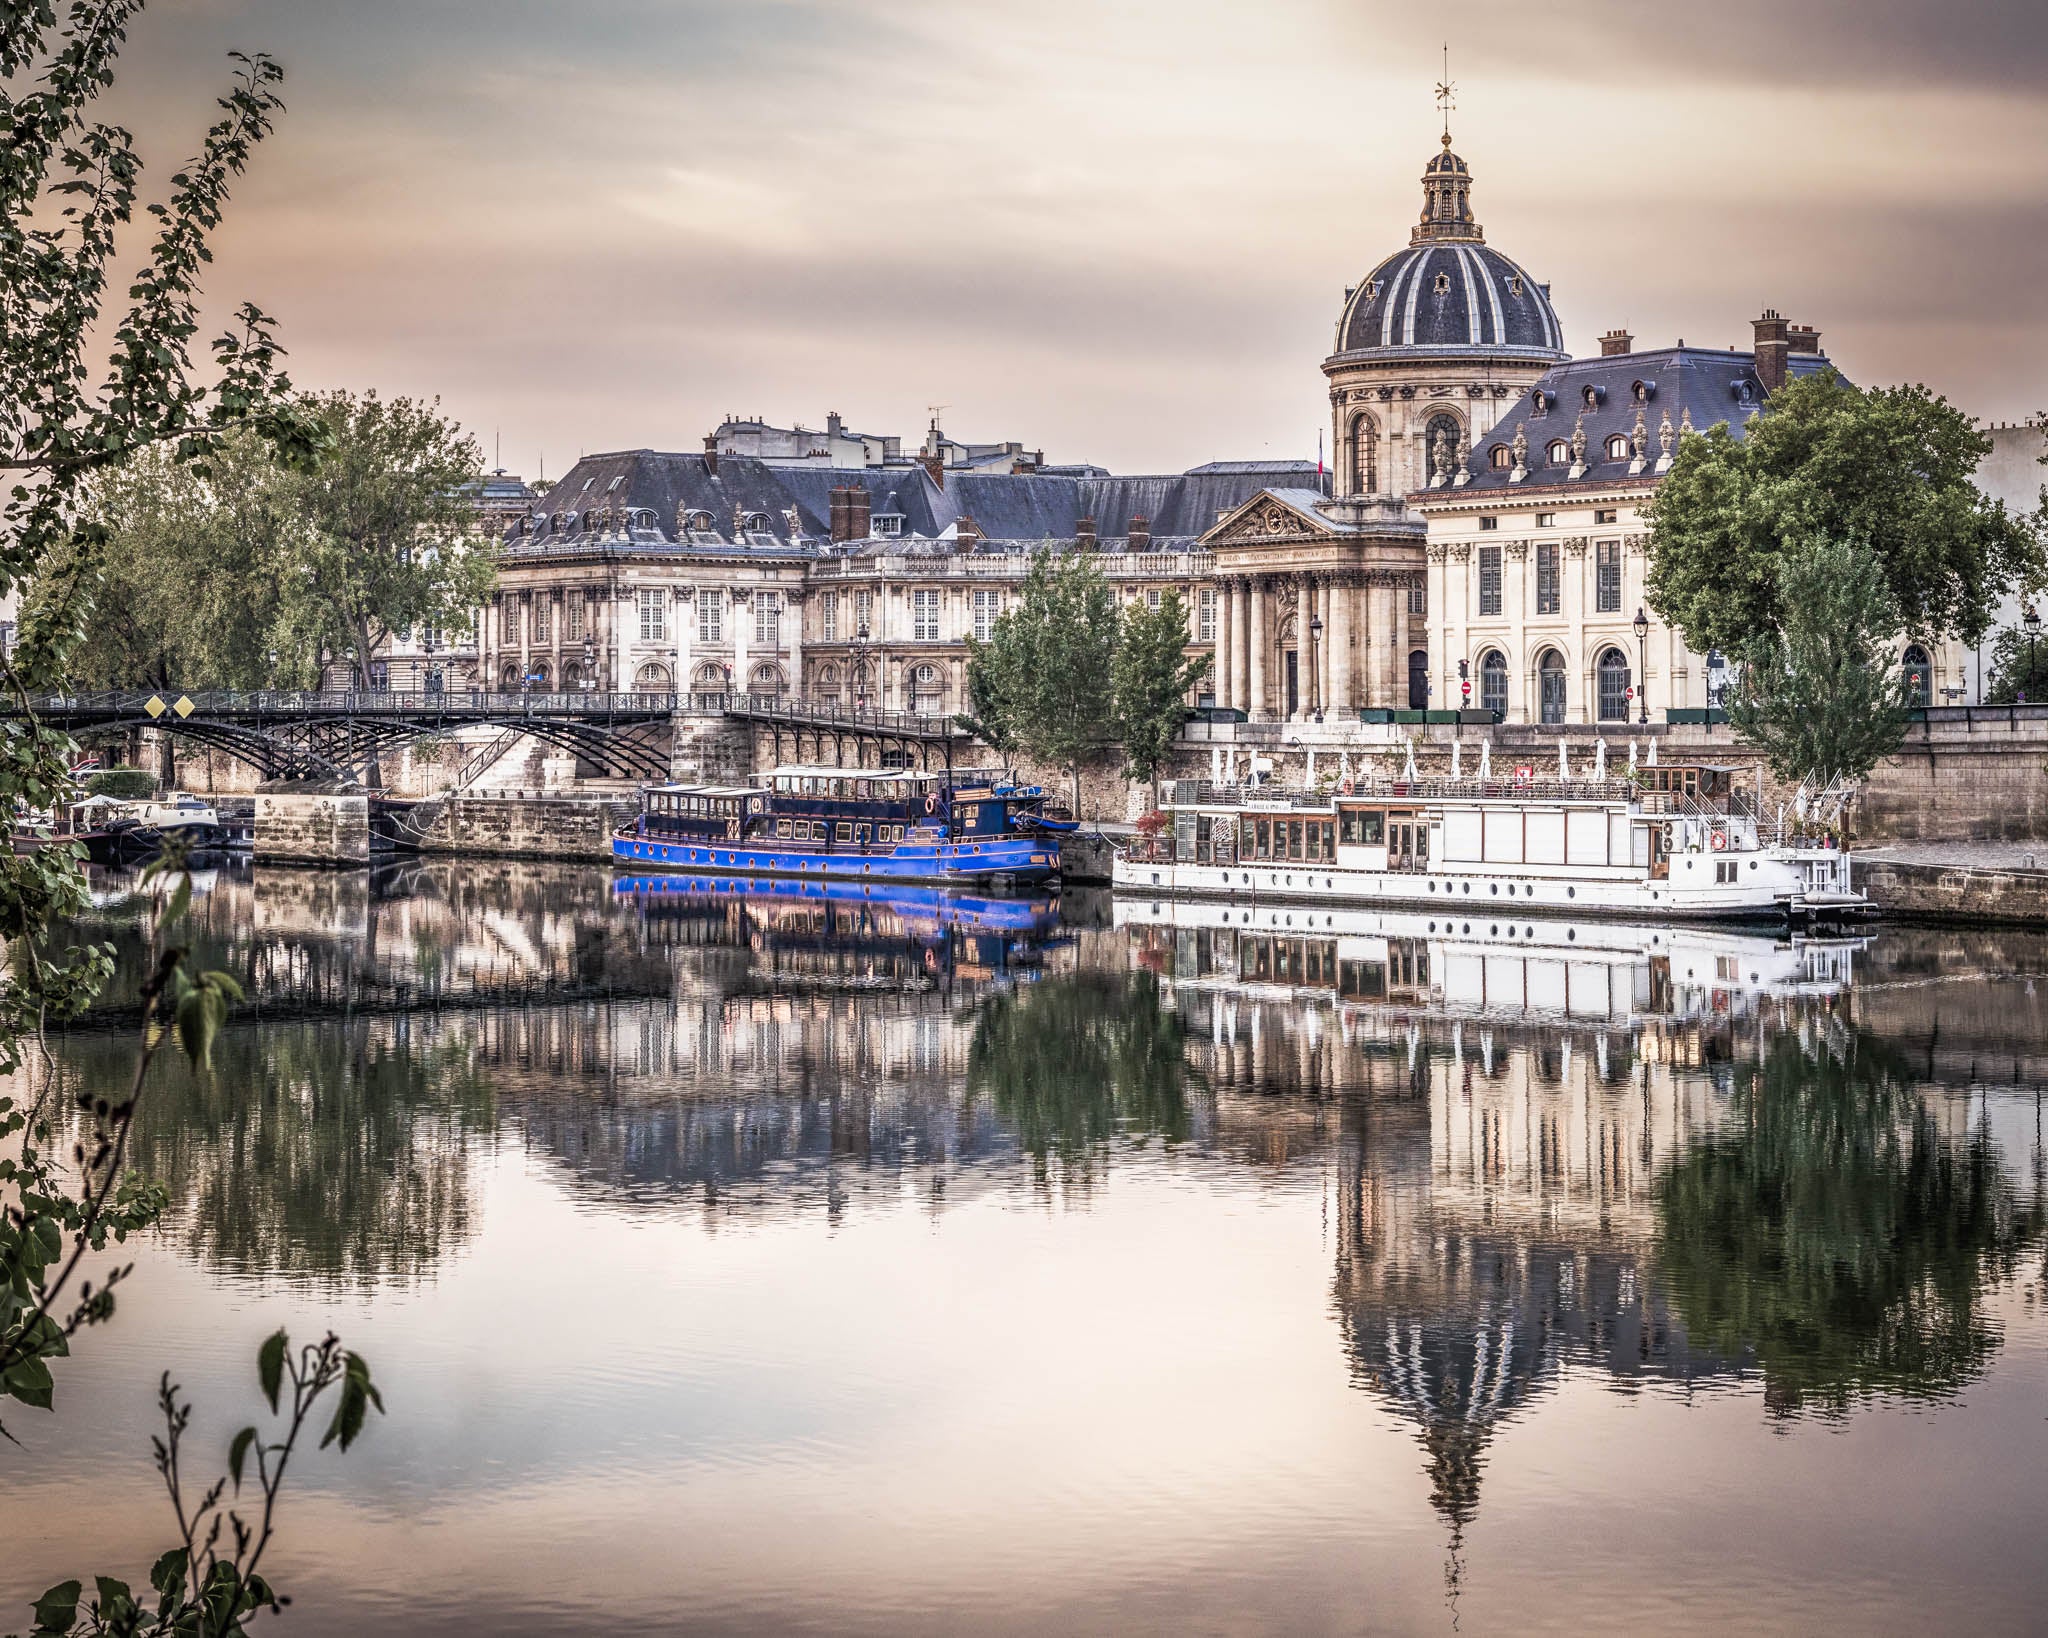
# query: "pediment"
{"points": [[1269, 517]]}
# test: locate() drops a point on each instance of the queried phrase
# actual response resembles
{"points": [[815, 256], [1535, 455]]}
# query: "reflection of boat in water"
{"points": [[1473, 963], [985, 934]]}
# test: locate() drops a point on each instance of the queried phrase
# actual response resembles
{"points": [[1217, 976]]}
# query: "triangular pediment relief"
{"points": [[1269, 517]]}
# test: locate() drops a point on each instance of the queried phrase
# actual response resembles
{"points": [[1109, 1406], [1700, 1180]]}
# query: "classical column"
{"points": [[1380, 682], [792, 629], [1339, 638], [1241, 645], [1308, 656], [742, 636], [1220, 665], [1258, 644]]}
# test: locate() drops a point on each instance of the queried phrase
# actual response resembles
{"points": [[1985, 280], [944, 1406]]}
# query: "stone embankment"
{"points": [[312, 827], [525, 827], [1961, 883]]}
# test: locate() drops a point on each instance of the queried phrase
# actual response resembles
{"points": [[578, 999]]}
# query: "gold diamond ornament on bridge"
{"points": [[154, 705], [184, 707]]}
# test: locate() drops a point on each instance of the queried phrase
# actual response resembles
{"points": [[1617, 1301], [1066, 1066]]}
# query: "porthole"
{"points": [[1468, 887], [1571, 892], [1530, 890], [1494, 930], [1432, 887], [1494, 889], [1752, 864], [1468, 927], [1571, 932], [1432, 927]]}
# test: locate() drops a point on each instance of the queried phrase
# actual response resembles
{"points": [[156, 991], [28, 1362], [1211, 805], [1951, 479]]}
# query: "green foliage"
{"points": [[2018, 668], [123, 784], [1153, 674], [1823, 692], [1839, 1231], [210, 1585], [1043, 683], [1890, 468]]}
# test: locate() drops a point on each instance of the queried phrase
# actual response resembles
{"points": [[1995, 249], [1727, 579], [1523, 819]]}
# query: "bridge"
{"points": [[329, 734]]}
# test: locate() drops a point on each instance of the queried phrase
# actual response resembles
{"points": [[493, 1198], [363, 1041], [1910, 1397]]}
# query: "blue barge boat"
{"points": [[850, 824]]}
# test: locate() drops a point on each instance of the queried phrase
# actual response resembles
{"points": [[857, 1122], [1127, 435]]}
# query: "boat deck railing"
{"points": [[1203, 793]]}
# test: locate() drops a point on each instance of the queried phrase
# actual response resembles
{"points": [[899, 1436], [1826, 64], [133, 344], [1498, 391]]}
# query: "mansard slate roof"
{"points": [[1449, 297], [1704, 384], [633, 499]]}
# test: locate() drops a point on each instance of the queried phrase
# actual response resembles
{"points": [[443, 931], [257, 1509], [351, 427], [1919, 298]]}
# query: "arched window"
{"points": [[1559, 453], [1442, 432], [1919, 677], [1493, 682], [1613, 672], [652, 678], [540, 676], [508, 678], [710, 678], [828, 681], [1442, 284], [1418, 680], [767, 679], [1617, 448], [927, 690], [1365, 455], [1500, 456], [1550, 686]]}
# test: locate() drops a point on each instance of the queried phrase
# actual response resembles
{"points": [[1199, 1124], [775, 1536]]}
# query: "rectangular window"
{"points": [[782, 828], [1363, 828], [1489, 523], [653, 614], [1546, 520], [508, 620], [711, 615], [1606, 515], [864, 615], [988, 607], [1153, 598], [1489, 580], [544, 620], [1418, 596], [768, 619], [828, 615], [1607, 576], [1547, 595], [572, 617], [843, 831], [924, 616], [1205, 615]]}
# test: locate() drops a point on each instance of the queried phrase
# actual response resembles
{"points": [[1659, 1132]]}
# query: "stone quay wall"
{"points": [[524, 827], [312, 828], [1955, 892]]}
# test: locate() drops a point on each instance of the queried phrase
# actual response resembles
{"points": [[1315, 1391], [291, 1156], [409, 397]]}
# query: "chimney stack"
{"points": [[842, 513], [860, 506], [1803, 338], [833, 425], [1772, 345], [711, 453], [934, 468], [1084, 534], [1615, 343], [1140, 534], [966, 535]]}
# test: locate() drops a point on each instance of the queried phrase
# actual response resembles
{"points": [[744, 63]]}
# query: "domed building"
{"points": [[1433, 346]]}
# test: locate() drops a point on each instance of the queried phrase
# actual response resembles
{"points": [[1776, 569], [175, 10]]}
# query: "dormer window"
{"points": [[1644, 391], [1539, 401], [1372, 289], [1500, 457], [1559, 453], [1617, 448], [889, 526], [1592, 396], [608, 488], [1743, 392], [1515, 285]]}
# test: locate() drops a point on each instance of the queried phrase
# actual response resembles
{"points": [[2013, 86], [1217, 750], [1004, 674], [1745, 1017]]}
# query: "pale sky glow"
{"points": [[1121, 232]]}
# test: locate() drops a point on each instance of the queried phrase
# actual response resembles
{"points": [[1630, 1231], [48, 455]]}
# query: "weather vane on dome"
{"points": [[1446, 93]]}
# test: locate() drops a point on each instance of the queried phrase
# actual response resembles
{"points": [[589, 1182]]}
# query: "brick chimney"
{"points": [[1615, 343], [711, 453], [842, 513], [859, 507], [1084, 534], [934, 467], [1803, 338], [1772, 345], [1140, 534], [966, 535]]}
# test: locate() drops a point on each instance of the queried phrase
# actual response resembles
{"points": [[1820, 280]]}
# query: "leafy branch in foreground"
{"points": [[211, 1583]]}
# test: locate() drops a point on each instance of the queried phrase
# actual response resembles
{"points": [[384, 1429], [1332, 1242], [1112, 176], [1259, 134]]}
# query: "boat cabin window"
{"points": [[1309, 840], [1685, 781], [1362, 827]]}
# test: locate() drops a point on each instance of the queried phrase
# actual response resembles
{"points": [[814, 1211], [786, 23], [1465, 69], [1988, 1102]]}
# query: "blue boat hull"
{"points": [[1009, 858]]}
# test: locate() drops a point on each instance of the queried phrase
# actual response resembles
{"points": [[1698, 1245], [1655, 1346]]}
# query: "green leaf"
{"points": [[57, 1609], [167, 1574], [270, 1364], [29, 1381], [238, 1451], [115, 1599]]}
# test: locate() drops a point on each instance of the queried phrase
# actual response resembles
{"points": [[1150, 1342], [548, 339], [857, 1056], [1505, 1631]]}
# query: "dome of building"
{"points": [[1449, 291]]}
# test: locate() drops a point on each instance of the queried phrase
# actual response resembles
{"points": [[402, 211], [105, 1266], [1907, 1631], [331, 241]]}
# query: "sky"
{"points": [[1117, 231]]}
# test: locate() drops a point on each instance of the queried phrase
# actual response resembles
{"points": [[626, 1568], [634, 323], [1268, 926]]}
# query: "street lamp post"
{"points": [[589, 661], [1643, 654], [1315, 675], [2030, 617]]}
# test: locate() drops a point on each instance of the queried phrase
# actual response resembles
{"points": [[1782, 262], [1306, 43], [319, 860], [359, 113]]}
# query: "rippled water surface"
{"points": [[754, 1260]]}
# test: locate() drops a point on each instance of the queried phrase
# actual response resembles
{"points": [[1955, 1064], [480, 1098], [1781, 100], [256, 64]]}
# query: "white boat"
{"points": [[1669, 843]]}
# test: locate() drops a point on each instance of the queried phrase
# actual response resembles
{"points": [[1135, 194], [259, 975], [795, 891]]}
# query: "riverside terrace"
{"points": [[327, 734]]}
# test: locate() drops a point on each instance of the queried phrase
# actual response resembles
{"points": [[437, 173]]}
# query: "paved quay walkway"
{"points": [[2007, 856]]}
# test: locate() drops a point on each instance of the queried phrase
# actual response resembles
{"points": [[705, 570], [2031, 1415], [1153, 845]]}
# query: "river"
{"points": [[751, 1260]]}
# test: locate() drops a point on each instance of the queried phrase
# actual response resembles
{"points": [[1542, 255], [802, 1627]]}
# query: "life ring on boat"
{"points": [[931, 801], [1718, 840], [1347, 787]]}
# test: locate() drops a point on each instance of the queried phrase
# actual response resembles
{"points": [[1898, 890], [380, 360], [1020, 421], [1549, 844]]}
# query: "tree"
{"points": [[1043, 682], [1153, 674], [1822, 692], [379, 537], [1890, 468]]}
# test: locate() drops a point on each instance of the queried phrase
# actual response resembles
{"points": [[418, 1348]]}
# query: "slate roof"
{"points": [[634, 498], [1708, 383], [1449, 297]]}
